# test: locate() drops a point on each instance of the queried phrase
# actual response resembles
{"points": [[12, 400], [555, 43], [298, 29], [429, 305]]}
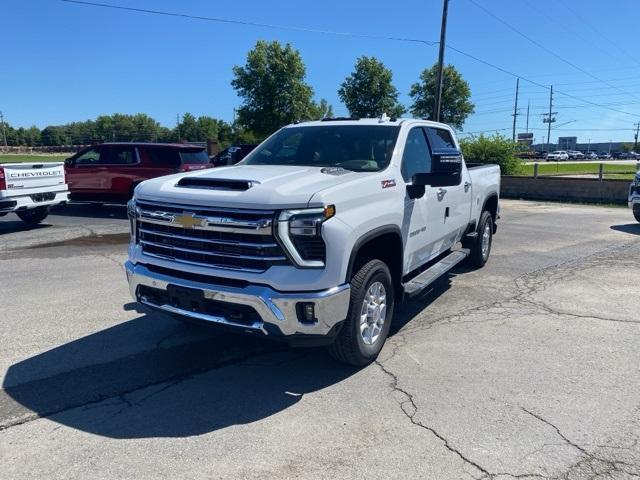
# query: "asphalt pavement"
{"points": [[527, 368]]}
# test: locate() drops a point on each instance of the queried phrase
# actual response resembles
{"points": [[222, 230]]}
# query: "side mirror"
{"points": [[69, 162]]}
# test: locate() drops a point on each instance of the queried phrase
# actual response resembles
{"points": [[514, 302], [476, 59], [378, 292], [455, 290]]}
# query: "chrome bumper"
{"points": [[277, 310]]}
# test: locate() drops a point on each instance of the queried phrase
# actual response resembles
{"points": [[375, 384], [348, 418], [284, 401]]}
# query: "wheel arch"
{"points": [[384, 243]]}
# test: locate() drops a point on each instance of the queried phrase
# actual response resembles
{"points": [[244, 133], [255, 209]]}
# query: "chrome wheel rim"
{"points": [[373, 313], [486, 240]]}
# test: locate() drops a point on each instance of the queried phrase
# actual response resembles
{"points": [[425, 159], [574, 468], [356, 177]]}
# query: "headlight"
{"points": [[301, 233], [132, 213]]}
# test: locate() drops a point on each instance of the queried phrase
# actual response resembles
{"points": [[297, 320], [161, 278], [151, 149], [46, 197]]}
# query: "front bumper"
{"points": [[277, 312]]}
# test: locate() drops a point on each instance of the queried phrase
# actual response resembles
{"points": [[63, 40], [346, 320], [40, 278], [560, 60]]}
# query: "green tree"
{"points": [[273, 88], [494, 149], [626, 147], [321, 110], [368, 91], [456, 105]]}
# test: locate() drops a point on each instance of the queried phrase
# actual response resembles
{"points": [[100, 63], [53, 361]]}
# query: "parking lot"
{"points": [[528, 368]]}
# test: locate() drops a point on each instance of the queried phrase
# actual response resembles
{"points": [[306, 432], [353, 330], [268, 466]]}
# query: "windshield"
{"points": [[361, 148], [194, 156]]}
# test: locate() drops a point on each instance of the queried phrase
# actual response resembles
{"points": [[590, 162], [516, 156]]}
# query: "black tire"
{"points": [[349, 346], [636, 211], [33, 216], [477, 257]]}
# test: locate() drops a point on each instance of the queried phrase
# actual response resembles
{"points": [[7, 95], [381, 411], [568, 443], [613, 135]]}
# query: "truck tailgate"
{"points": [[25, 178]]}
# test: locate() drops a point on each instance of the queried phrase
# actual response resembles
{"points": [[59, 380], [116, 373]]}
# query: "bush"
{"points": [[495, 149]]}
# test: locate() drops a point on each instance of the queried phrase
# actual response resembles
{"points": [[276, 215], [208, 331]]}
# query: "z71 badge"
{"points": [[389, 183]]}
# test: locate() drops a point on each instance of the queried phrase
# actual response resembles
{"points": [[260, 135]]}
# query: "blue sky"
{"points": [[63, 62]]}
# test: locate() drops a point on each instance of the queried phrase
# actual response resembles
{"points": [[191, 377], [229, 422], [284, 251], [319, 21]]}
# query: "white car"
{"points": [[558, 155], [317, 234], [31, 189]]}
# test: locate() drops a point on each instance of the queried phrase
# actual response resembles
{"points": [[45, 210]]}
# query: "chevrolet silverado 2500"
{"points": [[317, 234], [634, 196], [30, 189]]}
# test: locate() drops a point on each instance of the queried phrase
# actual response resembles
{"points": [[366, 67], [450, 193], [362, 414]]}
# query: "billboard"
{"points": [[525, 138]]}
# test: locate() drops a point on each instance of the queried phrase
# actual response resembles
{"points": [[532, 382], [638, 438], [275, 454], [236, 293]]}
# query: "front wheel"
{"points": [[33, 216], [636, 211], [369, 317]]}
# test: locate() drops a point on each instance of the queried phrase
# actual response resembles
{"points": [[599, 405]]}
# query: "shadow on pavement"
{"points": [[91, 211], [14, 226], [178, 388], [631, 228]]}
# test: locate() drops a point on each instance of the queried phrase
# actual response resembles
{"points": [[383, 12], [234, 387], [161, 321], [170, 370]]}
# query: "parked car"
{"points": [[617, 155], [317, 235], [232, 155], [110, 171], [558, 155], [604, 156], [634, 197], [575, 155], [591, 156], [31, 189]]}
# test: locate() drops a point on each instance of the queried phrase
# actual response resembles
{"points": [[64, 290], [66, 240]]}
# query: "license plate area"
{"points": [[186, 298]]}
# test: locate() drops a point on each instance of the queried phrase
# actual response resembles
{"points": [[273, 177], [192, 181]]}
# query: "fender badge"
{"points": [[389, 183]]}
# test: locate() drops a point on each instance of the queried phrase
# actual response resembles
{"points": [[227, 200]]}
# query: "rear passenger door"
{"points": [[120, 165]]}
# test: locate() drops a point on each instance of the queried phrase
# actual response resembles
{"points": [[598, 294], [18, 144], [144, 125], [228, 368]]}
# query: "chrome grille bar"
{"points": [[213, 254]]}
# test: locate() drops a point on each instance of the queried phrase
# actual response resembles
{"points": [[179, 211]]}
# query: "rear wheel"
{"points": [[481, 246], [33, 216], [369, 318], [636, 211]]}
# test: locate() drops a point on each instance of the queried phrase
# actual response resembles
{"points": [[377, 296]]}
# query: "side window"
{"points": [[440, 138], [416, 157], [90, 157], [163, 157], [118, 156]]}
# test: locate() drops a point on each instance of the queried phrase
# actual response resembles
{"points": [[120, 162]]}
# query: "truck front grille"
{"points": [[212, 237]]}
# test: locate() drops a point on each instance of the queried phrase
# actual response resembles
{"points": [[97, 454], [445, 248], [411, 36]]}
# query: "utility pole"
{"points": [[443, 34], [515, 111], [178, 125], [528, 105], [550, 117], [4, 132], [635, 137]]}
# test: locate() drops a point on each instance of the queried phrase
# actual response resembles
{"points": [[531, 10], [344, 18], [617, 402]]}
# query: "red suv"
{"points": [[110, 171]]}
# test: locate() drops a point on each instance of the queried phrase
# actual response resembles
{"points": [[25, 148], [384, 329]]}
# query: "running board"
{"points": [[434, 272]]}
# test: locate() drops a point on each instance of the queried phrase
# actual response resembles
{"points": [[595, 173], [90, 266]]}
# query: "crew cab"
{"points": [[31, 189], [317, 234], [634, 196], [110, 171], [232, 154]]}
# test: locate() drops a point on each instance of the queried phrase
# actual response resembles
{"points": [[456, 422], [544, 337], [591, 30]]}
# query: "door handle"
{"points": [[466, 186], [441, 193]]}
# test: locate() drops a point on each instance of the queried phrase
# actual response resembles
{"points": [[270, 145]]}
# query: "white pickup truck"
{"points": [[317, 234], [31, 189], [634, 196]]}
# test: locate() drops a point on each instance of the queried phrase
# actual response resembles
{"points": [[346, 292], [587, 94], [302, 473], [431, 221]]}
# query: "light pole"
{"points": [[443, 34]]}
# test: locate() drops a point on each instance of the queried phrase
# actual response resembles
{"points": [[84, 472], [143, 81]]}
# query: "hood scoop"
{"points": [[216, 183]]}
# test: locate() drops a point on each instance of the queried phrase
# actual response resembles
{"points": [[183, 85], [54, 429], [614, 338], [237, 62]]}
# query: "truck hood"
{"points": [[245, 186]]}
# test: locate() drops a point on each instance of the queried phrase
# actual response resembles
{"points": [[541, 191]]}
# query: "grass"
{"points": [[612, 171], [45, 157]]}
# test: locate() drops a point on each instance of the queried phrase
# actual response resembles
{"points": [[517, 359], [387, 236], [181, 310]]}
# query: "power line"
{"points": [[541, 46], [250, 24]]}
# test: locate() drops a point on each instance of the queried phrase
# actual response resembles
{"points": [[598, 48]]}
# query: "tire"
{"points": [[479, 255], [636, 211], [33, 216], [351, 345]]}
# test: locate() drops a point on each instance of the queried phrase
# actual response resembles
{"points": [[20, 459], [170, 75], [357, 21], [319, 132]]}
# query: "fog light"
{"points": [[306, 312]]}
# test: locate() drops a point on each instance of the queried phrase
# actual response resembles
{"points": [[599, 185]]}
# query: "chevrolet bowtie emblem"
{"points": [[189, 220]]}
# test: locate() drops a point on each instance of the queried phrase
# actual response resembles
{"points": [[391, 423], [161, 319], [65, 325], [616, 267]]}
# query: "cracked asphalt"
{"points": [[528, 368]]}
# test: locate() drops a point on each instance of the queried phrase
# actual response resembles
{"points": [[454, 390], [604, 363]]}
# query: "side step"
{"points": [[434, 272]]}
